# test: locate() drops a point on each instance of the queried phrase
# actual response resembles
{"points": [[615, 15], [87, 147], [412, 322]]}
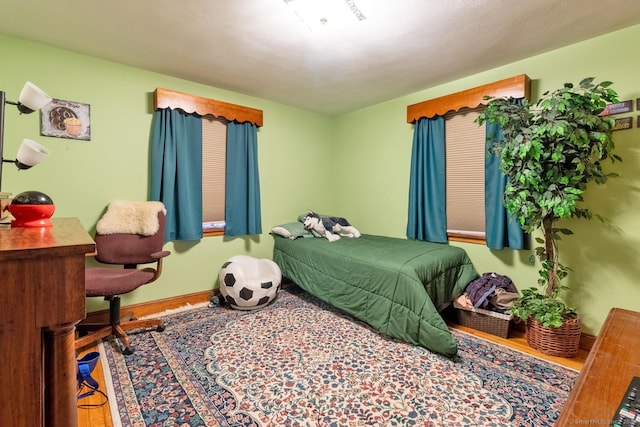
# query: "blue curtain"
{"points": [[502, 229], [176, 172], [242, 213], [427, 198]]}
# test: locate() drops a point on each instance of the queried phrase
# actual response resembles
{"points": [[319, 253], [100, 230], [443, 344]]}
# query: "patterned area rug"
{"points": [[299, 362]]}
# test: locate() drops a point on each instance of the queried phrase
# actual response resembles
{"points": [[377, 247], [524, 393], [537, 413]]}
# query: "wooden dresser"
{"points": [[611, 365], [42, 298]]}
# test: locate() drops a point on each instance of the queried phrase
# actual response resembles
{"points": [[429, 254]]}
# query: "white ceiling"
{"points": [[261, 48]]}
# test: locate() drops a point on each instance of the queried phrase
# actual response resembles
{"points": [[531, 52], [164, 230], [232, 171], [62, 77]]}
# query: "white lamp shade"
{"points": [[33, 97], [30, 153]]}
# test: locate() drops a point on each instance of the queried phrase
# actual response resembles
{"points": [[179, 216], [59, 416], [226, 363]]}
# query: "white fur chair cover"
{"points": [[131, 217]]}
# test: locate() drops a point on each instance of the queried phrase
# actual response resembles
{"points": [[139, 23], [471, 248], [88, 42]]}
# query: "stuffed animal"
{"points": [[330, 227]]}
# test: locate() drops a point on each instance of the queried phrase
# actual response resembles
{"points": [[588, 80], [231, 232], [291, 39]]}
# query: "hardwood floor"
{"points": [[101, 416], [517, 341]]}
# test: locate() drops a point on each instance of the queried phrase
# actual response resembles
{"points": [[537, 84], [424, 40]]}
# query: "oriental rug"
{"points": [[300, 362]]}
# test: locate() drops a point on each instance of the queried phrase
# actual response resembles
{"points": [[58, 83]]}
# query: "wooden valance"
{"points": [[165, 98], [515, 87]]}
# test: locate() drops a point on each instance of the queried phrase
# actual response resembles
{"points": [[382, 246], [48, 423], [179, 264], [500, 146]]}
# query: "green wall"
{"points": [[82, 177], [374, 191], [361, 160]]}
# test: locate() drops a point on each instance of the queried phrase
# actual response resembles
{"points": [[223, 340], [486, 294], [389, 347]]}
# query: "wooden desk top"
{"points": [[611, 365], [67, 236]]}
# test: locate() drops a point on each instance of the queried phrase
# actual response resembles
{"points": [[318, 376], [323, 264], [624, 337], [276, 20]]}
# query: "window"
{"points": [[464, 165], [464, 154], [216, 117], [214, 149]]}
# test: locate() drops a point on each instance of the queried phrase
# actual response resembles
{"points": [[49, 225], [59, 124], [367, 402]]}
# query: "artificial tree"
{"points": [[551, 151]]}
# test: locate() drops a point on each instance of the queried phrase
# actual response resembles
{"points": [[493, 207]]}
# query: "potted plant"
{"points": [[551, 151]]}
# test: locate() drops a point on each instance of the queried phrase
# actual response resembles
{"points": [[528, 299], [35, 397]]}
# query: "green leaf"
{"points": [[551, 153]]}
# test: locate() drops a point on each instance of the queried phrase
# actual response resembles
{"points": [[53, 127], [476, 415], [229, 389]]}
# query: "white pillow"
{"points": [[291, 230]]}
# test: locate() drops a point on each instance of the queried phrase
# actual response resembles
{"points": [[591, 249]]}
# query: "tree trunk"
{"points": [[552, 255]]}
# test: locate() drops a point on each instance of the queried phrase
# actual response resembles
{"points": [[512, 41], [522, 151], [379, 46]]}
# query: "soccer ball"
{"points": [[248, 283]]}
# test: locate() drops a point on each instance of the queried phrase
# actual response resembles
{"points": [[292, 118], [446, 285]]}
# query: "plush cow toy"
{"points": [[330, 227]]}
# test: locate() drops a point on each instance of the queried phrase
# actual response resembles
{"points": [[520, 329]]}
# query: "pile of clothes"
{"points": [[491, 291]]}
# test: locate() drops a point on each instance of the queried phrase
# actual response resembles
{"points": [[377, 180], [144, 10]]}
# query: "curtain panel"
{"points": [[427, 199], [502, 230], [176, 171], [242, 205]]}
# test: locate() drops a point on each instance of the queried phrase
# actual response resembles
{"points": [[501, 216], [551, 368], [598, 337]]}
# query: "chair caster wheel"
{"points": [[160, 328], [128, 350]]}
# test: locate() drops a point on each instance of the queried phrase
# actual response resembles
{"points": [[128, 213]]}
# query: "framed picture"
{"points": [[623, 124], [66, 119]]}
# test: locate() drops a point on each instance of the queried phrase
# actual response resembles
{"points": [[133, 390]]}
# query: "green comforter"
{"points": [[397, 286]]}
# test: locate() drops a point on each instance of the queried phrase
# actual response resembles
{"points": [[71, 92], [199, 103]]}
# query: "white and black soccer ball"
{"points": [[248, 283]]}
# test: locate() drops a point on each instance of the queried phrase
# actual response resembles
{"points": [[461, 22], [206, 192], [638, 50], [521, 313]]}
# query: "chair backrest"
{"points": [[130, 249]]}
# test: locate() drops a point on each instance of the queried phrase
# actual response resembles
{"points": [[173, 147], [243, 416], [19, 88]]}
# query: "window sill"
{"points": [[466, 238], [216, 232]]}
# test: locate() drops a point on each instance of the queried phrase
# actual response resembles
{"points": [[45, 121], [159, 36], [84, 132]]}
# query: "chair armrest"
{"points": [[161, 254]]}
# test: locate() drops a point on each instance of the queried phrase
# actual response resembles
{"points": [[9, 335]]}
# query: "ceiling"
{"points": [[261, 48]]}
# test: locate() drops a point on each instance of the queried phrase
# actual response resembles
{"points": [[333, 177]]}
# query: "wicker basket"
{"points": [[561, 342], [487, 321]]}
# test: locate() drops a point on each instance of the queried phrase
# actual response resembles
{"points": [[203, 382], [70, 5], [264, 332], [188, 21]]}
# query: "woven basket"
{"points": [[562, 342], [484, 320]]}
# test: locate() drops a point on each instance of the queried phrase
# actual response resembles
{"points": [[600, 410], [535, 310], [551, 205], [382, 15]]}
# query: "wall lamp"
{"points": [[30, 153]]}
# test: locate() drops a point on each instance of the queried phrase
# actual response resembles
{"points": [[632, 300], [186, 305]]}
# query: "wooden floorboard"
{"points": [[99, 416], [518, 341]]}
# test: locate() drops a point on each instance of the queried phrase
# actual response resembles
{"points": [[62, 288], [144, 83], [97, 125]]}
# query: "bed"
{"points": [[397, 286]]}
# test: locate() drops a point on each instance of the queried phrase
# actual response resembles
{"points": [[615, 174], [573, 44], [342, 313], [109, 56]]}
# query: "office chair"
{"points": [[128, 250]]}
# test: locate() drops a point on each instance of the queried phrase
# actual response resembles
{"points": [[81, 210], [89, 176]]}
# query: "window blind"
{"points": [[465, 153], [214, 149]]}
